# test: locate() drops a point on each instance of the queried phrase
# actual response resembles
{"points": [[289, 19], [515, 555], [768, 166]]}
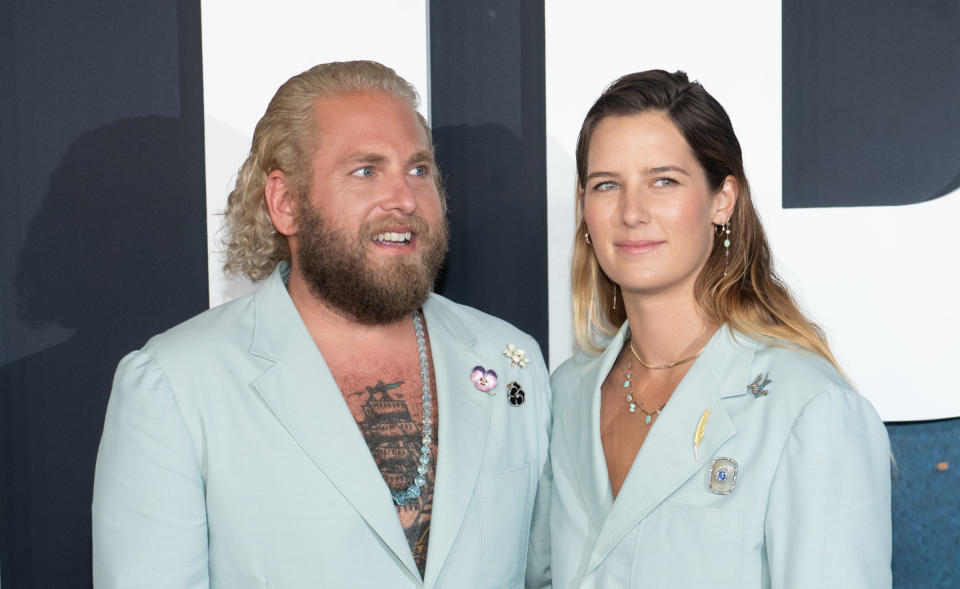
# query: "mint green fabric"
{"points": [[811, 503], [229, 459]]}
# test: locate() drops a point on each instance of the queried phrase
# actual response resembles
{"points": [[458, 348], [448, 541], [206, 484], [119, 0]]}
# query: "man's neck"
{"points": [[332, 329]]}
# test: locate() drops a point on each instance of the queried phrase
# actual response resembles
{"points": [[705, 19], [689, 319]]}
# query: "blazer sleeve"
{"points": [[828, 519], [538, 552], [149, 514]]}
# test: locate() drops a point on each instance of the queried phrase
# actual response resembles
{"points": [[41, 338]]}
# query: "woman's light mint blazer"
{"points": [[230, 460], [810, 504]]}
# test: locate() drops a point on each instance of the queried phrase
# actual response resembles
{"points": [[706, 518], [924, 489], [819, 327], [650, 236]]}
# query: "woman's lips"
{"points": [[638, 246]]}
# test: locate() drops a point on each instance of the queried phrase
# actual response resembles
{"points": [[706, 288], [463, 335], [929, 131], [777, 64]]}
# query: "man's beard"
{"points": [[337, 269]]}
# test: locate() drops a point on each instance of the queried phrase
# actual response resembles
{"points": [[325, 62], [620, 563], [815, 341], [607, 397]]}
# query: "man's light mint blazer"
{"points": [[230, 460], [810, 504]]}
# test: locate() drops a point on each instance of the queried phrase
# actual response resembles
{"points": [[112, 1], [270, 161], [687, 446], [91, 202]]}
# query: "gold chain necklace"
{"points": [[668, 364]]}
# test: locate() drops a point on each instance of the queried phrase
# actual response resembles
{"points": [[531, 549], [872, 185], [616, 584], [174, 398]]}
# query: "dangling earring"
{"points": [[725, 232], [614, 296], [586, 236]]}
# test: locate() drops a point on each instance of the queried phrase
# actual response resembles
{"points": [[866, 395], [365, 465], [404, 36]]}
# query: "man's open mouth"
{"points": [[391, 238]]}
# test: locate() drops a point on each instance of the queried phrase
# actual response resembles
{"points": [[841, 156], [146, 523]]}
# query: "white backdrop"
{"points": [[249, 50], [883, 281]]}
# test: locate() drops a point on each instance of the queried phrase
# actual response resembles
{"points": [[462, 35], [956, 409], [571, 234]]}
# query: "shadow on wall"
{"points": [[118, 253], [497, 211]]}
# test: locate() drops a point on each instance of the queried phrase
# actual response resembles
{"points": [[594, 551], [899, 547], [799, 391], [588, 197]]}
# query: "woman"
{"points": [[707, 438]]}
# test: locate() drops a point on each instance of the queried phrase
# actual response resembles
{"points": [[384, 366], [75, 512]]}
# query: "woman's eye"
{"points": [[664, 182], [604, 186], [364, 172]]}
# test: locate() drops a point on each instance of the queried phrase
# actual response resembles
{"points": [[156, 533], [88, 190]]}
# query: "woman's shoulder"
{"points": [[802, 384], [794, 359], [799, 409], [797, 367], [570, 379], [573, 365]]}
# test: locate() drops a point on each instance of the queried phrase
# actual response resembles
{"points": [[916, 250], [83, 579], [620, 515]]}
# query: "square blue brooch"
{"points": [[723, 476]]}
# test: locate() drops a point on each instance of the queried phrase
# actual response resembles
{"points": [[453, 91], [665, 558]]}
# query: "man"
{"points": [[341, 426]]}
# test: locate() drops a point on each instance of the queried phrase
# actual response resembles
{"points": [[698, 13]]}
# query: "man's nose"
{"points": [[399, 195]]}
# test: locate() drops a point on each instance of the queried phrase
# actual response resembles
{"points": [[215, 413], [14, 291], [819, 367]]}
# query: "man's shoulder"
{"points": [[482, 325], [227, 324]]}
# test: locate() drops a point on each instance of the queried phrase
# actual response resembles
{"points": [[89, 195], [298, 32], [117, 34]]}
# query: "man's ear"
{"points": [[281, 203]]}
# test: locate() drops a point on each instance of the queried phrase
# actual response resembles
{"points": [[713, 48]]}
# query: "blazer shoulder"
{"points": [[802, 383], [487, 328], [567, 380], [221, 327]]}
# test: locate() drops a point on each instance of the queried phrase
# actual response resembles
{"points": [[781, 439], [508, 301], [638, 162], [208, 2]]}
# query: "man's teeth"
{"points": [[390, 237]]}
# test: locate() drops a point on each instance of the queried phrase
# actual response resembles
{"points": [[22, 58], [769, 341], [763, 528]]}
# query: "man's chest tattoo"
{"points": [[393, 431]]}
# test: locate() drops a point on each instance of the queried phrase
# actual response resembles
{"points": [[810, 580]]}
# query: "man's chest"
{"points": [[394, 404]]}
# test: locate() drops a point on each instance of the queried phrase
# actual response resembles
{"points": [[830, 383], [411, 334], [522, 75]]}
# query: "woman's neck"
{"points": [[666, 328]]}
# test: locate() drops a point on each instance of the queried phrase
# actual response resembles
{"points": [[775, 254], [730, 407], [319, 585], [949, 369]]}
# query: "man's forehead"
{"points": [[359, 107], [368, 122]]}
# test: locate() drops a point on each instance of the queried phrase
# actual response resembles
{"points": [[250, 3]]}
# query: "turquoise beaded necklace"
{"points": [[632, 405], [404, 496]]}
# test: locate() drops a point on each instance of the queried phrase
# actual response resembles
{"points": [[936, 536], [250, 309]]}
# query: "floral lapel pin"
{"points": [[517, 356], [485, 380], [757, 386], [515, 394]]}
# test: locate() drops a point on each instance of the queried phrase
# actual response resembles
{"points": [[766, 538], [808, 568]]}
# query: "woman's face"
{"points": [[647, 205]]}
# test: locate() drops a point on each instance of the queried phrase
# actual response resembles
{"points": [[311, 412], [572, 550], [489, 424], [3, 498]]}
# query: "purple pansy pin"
{"points": [[484, 380]]}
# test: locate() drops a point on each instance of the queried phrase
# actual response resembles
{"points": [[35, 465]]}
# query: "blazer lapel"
{"points": [[463, 423], [666, 460], [581, 433], [302, 394]]}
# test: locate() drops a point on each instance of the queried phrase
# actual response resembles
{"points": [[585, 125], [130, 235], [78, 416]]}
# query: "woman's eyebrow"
{"points": [[592, 175], [664, 169]]}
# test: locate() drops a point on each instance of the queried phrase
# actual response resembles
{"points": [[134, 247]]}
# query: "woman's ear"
{"points": [[725, 199], [281, 203]]}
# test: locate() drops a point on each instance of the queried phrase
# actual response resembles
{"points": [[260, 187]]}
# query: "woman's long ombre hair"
{"points": [[751, 298]]}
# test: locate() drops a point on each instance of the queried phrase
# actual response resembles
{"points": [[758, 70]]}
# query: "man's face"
{"points": [[371, 235]]}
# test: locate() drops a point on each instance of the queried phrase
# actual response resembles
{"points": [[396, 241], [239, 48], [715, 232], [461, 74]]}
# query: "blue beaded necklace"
{"points": [[423, 462], [632, 405]]}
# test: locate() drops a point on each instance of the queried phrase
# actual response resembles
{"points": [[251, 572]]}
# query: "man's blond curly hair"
{"points": [[285, 139]]}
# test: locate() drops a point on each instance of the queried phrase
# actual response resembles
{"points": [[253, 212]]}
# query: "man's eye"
{"points": [[364, 172], [418, 171]]}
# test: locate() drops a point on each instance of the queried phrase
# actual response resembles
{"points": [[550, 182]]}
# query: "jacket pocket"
{"points": [[681, 545], [504, 510]]}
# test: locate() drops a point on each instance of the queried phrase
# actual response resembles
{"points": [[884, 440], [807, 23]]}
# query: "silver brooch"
{"points": [[723, 476], [756, 387]]}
